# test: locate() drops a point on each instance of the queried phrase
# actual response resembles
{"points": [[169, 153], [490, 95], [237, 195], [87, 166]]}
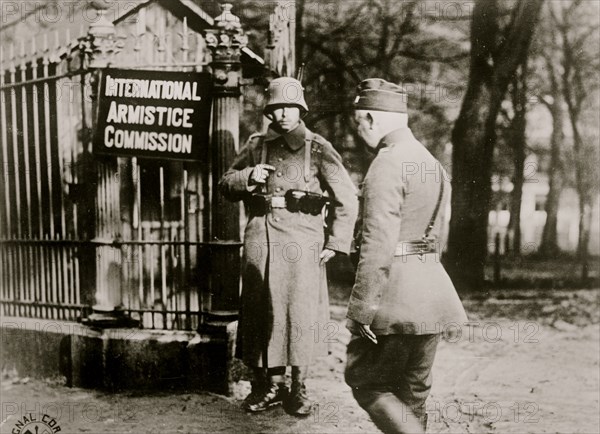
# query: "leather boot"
{"points": [[258, 388], [273, 394], [392, 416], [298, 403], [259, 384]]}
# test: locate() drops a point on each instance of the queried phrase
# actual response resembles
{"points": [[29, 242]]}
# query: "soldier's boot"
{"points": [[392, 416], [298, 403], [258, 384], [272, 392]]}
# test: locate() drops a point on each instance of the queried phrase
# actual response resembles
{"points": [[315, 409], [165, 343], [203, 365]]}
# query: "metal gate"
{"points": [[125, 235]]}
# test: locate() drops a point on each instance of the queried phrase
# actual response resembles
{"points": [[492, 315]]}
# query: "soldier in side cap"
{"points": [[287, 179], [402, 298]]}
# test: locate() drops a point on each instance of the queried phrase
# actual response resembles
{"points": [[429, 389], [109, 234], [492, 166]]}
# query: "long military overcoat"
{"points": [[403, 294], [284, 315]]}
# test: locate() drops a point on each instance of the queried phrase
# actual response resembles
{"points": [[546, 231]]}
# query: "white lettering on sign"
{"points": [[147, 141], [164, 114], [150, 115], [154, 89]]}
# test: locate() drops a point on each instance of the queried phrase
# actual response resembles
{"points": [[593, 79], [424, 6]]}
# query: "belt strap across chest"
{"points": [[308, 139], [426, 244]]}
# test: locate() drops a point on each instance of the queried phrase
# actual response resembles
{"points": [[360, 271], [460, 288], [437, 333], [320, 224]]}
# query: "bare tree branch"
{"points": [[334, 57], [385, 32], [424, 58], [343, 29], [405, 28], [517, 37]]}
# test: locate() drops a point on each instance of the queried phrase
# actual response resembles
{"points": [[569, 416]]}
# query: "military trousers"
{"points": [[391, 380]]}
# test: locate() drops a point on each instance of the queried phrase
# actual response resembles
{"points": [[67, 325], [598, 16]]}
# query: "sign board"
{"points": [[155, 114]]}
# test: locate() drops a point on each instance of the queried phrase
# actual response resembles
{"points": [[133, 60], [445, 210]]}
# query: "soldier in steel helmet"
{"points": [[288, 178], [402, 298]]}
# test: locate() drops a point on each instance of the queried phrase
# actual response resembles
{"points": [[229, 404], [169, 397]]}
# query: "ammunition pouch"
{"points": [[307, 202], [258, 204], [294, 201]]}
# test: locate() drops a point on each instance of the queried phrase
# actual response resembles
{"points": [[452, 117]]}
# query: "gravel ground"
{"points": [[529, 363]]}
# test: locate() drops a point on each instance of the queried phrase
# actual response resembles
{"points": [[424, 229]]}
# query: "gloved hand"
{"points": [[326, 255], [260, 173], [366, 332]]}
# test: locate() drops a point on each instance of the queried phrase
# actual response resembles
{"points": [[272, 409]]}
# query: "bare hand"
{"points": [[366, 332], [326, 255], [260, 173]]}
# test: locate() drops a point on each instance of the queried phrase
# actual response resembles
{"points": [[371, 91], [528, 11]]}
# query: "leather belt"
{"points": [[415, 247], [294, 201], [277, 202]]}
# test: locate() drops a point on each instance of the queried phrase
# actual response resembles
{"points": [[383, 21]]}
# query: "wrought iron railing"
{"points": [[70, 239]]}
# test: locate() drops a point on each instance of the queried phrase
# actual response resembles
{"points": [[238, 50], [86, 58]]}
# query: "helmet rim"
{"points": [[277, 96]]}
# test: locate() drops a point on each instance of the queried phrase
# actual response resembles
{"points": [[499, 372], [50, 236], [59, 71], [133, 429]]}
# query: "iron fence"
{"points": [[77, 230]]}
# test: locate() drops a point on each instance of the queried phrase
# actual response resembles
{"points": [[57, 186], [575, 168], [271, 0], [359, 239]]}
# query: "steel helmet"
{"points": [[285, 91]]}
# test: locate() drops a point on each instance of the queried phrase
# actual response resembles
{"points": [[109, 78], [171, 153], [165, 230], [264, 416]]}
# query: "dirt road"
{"points": [[529, 363]]}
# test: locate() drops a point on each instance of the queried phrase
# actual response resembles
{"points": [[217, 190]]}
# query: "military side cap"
{"points": [[380, 95]]}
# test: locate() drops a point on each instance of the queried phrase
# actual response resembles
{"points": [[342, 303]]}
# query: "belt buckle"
{"points": [[427, 246], [278, 202]]}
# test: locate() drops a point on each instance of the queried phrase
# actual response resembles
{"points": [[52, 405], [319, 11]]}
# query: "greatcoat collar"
{"points": [[396, 136], [294, 139]]}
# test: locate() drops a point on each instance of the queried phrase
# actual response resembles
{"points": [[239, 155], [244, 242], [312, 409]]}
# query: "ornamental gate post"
{"points": [[103, 45], [225, 40]]}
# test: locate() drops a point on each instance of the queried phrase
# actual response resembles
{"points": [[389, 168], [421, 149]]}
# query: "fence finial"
{"points": [[280, 50], [226, 41], [227, 20], [102, 26], [11, 56], [102, 35], [45, 46], [23, 56], [33, 47]]}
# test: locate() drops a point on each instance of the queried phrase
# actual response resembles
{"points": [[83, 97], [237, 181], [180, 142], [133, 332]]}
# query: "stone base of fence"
{"points": [[118, 359]]}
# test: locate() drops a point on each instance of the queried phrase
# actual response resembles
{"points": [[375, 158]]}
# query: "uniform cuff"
{"points": [[360, 311], [339, 245], [352, 326], [245, 177]]}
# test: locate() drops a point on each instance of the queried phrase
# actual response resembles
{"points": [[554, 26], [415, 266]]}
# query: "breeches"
{"points": [[392, 380]]}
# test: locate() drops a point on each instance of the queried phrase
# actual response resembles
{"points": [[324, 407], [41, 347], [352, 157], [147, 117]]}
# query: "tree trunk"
{"points": [[575, 92], [474, 134], [516, 199], [585, 212], [518, 139], [582, 191], [549, 245], [474, 138]]}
